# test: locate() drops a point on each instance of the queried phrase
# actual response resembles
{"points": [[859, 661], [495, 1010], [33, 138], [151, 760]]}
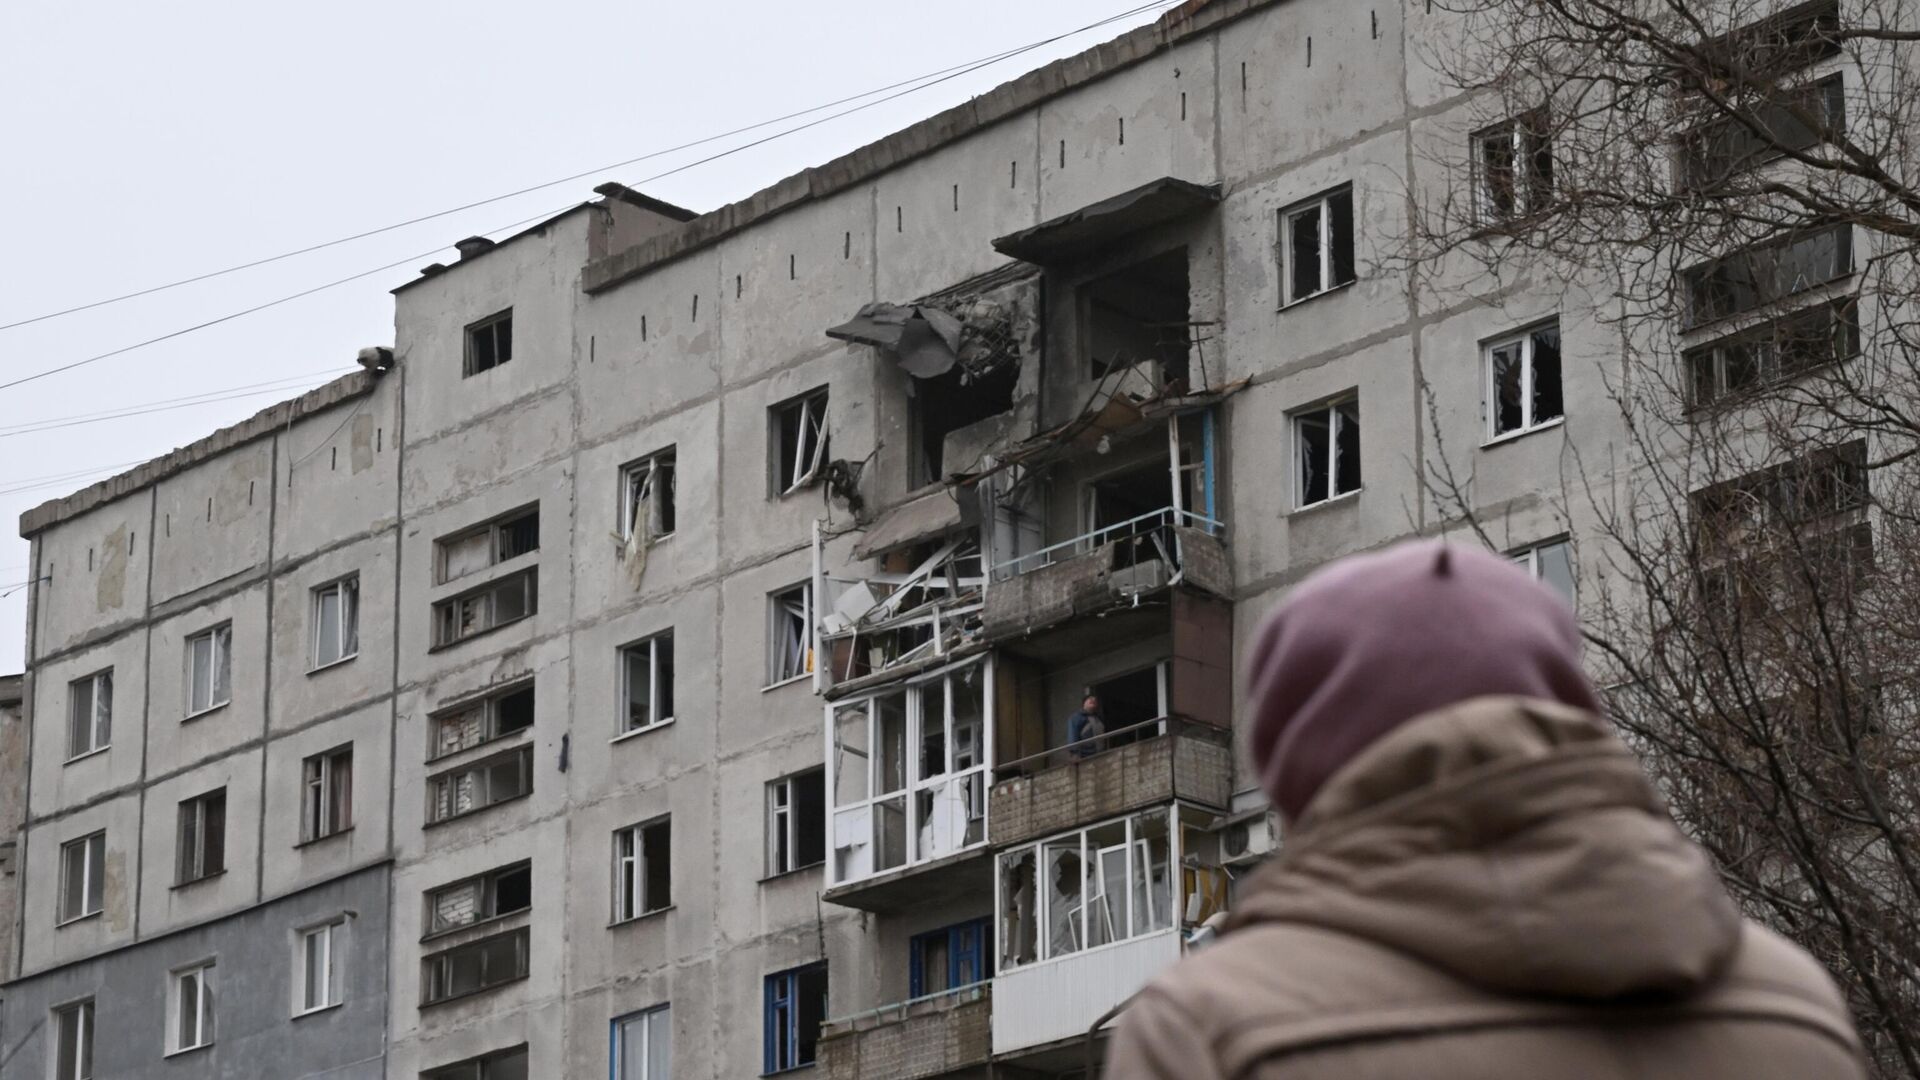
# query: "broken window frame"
{"points": [[83, 871], [488, 1066], [1767, 358], [787, 1043], [642, 869], [1753, 278], [489, 343], [342, 642], [490, 723], [810, 435], [213, 689], [1335, 414], [443, 792], [496, 960], [1141, 828], [506, 538], [486, 905], [73, 1040], [1727, 147], [1544, 558], [202, 838], [860, 833], [655, 655], [326, 794], [790, 634], [1529, 168], [89, 714], [790, 830], [1332, 212], [1527, 342], [190, 1011], [479, 610], [650, 482]]}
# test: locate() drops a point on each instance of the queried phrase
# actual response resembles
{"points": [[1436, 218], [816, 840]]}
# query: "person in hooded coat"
{"points": [[1477, 879]]}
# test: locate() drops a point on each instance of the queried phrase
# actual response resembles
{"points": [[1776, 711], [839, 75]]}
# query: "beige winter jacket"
{"points": [[1493, 890]]}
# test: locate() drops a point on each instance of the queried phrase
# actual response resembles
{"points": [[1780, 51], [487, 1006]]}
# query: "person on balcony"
{"points": [[1084, 729], [1478, 879]]}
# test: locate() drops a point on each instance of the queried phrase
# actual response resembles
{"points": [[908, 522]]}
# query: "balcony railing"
{"points": [[1110, 774], [1149, 537], [929, 1036]]}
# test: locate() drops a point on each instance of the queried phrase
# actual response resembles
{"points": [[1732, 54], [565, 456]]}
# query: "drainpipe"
{"points": [[1093, 1035], [813, 614]]}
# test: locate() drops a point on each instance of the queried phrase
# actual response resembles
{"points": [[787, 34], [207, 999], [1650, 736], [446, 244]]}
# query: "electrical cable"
{"points": [[542, 216], [364, 234], [231, 393]]}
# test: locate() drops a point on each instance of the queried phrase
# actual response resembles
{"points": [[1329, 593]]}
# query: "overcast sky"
{"points": [[144, 143]]}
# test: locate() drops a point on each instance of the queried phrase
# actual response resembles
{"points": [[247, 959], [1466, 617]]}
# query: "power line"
{"points": [[34, 483], [958, 69], [167, 405]]}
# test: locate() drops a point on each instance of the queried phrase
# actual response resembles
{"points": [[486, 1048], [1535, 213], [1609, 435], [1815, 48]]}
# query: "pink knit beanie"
{"points": [[1372, 641]]}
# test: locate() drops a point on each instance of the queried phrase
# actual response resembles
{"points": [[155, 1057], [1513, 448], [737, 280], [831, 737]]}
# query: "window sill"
{"points": [[1513, 436], [185, 1050], [425, 1005], [329, 665], [1291, 304], [645, 916], [784, 874], [786, 681], [317, 1011], [63, 923], [1342, 499], [192, 716], [489, 921], [465, 814], [801, 488], [639, 731], [323, 839], [95, 752], [789, 1069], [503, 565], [191, 882], [459, 641]]}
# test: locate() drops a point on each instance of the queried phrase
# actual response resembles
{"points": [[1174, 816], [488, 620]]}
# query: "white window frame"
{"points": [[346, 644], [199, 1011], [98, 726], [1490, 390], [784, 823], [652, 647], [92, 851], [1322, 202], [330, 937], [812, 439], [1335, 422], [437, 967], [630, 899], [856, 826], [320, 808], [651, 1022], [80, 1015], [448, 626], [219, 641], [1089, 869], [486, 901], [495, 531], [1524, 135], [1528, 558], [784, 664], [636, 486]]}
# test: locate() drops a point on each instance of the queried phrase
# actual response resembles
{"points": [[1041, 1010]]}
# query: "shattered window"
{"points": [[487, 545], [643, 870], [1778, 349], [1106, 883], [796, 1006], [1550, 561], [477, 899], [648, 678], [495, 604], [202, 849], [1316, 245], [789, 637], [1327, 451], [489, 343], [498, 715], [796, 822], [647, 503], [473, 967], [480, 785], [1767, 273], [1513, 168], [1523, 373], [799, 429]]}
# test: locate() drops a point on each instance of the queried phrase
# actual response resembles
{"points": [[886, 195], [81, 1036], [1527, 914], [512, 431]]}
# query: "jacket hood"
{"points": [[1514, 843]]}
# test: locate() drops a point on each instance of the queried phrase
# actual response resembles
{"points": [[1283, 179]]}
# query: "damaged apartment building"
{"points": [[663, 660]]}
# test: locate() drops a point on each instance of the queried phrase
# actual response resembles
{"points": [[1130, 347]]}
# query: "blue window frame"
{"points": [[950, 958], [796, 1004]]}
